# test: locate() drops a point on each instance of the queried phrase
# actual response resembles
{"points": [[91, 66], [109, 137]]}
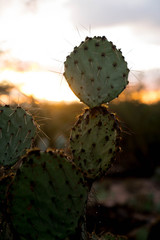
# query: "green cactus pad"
{"points": [[94, 141], [17, 131], [96, 71], [47, 197]]}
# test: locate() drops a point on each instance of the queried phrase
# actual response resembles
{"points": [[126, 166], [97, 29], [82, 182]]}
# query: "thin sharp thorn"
{"points": [[44, 118], [129, 51], [69, 42], [139, 71], [42, 124], [78, 32], [19, 129], [25, 119], [43, 141], [19, 142], [84, 27], [135, 76], [19, 153], [55, 72], [57, 60], [12, 113], [78, 68], [27, 136], [98, 73], [61, 78], [40, 130]]}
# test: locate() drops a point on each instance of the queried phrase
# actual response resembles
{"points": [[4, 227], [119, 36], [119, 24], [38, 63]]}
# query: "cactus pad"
{"points": [[94, 141], [17, 130], [47, 197], [96, 71]]}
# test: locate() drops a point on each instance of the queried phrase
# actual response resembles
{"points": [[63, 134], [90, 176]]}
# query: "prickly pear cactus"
{"points": [[17, 131], [96, 71], [47, 197], [94, 141]]}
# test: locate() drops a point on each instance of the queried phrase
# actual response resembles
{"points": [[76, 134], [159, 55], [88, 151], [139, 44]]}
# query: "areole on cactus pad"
{"points": [[96, 71]]}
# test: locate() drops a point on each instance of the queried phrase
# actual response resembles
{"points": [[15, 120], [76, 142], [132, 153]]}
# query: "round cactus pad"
{"points": [[47, 197], [94, 141], [96, 71]]}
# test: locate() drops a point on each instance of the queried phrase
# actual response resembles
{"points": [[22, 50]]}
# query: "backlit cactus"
{"points": [[94, 141], [17, 131], [96, 71], [47, 197]]}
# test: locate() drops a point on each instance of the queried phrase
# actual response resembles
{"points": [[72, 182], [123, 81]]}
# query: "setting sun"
{"points": [[41, 85]]}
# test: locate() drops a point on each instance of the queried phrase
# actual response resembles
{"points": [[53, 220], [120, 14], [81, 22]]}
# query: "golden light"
{"points": [[49, 34], [41, 85], [146, 96]]}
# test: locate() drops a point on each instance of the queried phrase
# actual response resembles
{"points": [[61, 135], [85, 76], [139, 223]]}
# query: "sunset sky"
{"points": [[38, 35]]}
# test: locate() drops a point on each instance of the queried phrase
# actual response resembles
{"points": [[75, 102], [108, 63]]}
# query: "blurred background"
{"points": [[35, 38]]}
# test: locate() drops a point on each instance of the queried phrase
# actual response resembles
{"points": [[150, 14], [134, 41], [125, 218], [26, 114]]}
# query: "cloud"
{"points": [[143, 15], [106, 12]]}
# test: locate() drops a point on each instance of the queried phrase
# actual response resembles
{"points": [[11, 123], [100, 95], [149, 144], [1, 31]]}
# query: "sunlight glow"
{"points": [[53, 87], [142, 96], [45, 37], [148, 97], [41, 85]]}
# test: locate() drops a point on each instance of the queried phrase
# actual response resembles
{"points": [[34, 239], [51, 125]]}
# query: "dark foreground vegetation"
{"points": [[127, 200]]}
